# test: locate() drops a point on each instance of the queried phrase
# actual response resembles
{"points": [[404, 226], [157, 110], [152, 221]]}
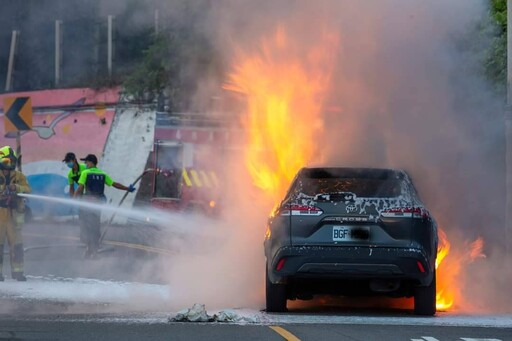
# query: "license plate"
{"points": [[350, 233]]}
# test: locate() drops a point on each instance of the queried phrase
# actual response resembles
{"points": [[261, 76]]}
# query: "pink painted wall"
{"points": [[56, 132], [81, 132]]}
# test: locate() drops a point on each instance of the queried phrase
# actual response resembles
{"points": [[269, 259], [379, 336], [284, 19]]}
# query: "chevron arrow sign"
{"points": [[17, 114]]}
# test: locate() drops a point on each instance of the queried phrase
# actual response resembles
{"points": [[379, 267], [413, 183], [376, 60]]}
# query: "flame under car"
{"points": [[351, 232]]}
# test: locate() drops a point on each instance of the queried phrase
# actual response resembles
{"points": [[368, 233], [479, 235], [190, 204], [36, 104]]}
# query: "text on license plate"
{"points": [[350, 233]]}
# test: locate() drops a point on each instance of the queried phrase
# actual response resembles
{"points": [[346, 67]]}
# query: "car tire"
{"points": [[425, 299], [275, 296]]}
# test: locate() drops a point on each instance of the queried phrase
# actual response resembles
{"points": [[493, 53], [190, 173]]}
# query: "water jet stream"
{"points": [[148, 215], [129, 213]]}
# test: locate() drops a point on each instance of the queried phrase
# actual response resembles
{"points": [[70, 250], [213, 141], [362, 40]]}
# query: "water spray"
{"points": [[90, 205], [126, 212], [157, 170]]}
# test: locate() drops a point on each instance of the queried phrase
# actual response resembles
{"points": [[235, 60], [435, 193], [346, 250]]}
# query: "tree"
{"points": [[179, 57], [173, 64], [496, 59], [151, 76]]}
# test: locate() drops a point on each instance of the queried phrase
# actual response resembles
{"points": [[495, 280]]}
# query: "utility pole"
{"points": [[8, 86], [508, 136], [96, 48], [110, 44], [58, 51], [12, 55]]}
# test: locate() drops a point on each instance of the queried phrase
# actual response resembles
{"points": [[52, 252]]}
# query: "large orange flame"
{"points": [[284, 88], [449, 265]]}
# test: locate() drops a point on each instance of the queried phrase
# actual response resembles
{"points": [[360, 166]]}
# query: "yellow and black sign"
{"points": [[17, 113], [200, 178]]}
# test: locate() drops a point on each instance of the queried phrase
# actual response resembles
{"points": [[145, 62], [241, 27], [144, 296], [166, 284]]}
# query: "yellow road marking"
{"points": [[128, 245], [284, 333], [141, 247]]}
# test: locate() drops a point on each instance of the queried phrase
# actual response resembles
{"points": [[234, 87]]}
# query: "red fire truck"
{"points": [[188, 161], [180, 187]]}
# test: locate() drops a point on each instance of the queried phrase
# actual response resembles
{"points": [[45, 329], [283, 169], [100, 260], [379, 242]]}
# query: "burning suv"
{"points": [[351, 232]]}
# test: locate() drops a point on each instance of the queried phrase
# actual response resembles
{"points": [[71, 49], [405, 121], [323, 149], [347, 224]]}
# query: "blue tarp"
{"points": [[53, 185]]}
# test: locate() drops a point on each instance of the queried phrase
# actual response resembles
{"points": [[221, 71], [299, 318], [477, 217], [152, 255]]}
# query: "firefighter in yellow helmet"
{"points": [[12, 211]]}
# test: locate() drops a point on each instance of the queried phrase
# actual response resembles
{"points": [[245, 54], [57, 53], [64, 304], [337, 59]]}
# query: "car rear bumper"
{"points": [[351, 262]]}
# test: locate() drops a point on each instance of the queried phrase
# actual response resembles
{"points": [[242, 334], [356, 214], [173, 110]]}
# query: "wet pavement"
{"points": [[53, 248]]}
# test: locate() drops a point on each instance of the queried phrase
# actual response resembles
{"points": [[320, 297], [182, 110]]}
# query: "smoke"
{"points": [[412, 97], [407, 92], [221, 265]]}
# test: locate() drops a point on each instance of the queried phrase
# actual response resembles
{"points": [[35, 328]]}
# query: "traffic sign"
{"points": [[17, 114]]}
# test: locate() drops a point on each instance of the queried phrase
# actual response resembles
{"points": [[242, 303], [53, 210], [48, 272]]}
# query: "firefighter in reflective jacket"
{"points": [[91, 187], [12, 211], [75, 170]]}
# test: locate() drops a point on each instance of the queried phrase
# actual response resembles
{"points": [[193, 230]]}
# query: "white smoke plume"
{"points": [[407, 92]]}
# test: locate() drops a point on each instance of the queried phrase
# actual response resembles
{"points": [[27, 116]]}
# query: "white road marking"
{"points": [[430, 338], [472, 339]]}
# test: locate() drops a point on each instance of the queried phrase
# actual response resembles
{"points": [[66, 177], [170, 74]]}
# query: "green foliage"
{"points": [[173, 64], [151, 76], [499, 13], [495, 62], [177, 59]]}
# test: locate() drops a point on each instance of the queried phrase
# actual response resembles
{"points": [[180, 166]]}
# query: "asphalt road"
{"points": [[97, 327], [54, 257], [55, 248]]}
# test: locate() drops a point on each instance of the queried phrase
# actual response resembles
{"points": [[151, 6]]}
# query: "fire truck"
{"points": [[179, 186], [187, 160]]}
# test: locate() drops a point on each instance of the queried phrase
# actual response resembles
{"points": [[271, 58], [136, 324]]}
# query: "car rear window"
{"points": [[361, 187]]}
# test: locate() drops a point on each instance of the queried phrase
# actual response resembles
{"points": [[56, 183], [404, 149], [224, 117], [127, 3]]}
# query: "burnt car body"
{"points": [[351, 232]]}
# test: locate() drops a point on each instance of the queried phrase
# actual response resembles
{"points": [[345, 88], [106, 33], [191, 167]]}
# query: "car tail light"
{"points": [[280, 264], [406, 212], [420, 267], [294, 209]]}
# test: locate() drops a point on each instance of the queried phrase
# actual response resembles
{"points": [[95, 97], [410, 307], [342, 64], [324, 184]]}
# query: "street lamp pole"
{"points": [[508, 135]]}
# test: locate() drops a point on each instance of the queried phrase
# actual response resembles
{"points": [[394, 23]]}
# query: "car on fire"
{"points": [[351, 232]]}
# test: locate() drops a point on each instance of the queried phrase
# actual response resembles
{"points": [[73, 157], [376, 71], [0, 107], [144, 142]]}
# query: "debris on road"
{"points": [[198, 313]]}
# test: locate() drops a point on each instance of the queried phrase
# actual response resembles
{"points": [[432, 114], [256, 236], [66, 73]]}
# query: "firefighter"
{"points": [[75, 170], [12, 211], [91, 187]]}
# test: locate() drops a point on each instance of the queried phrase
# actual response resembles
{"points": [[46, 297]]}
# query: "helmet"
{"points": [[8, 158]]}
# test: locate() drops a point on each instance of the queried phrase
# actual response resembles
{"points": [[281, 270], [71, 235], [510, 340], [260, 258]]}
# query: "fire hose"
{"points": [[107, 226]]}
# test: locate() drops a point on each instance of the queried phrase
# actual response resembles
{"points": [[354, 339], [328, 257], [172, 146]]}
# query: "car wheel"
{"points": [[425, 299], [275, 296]]}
